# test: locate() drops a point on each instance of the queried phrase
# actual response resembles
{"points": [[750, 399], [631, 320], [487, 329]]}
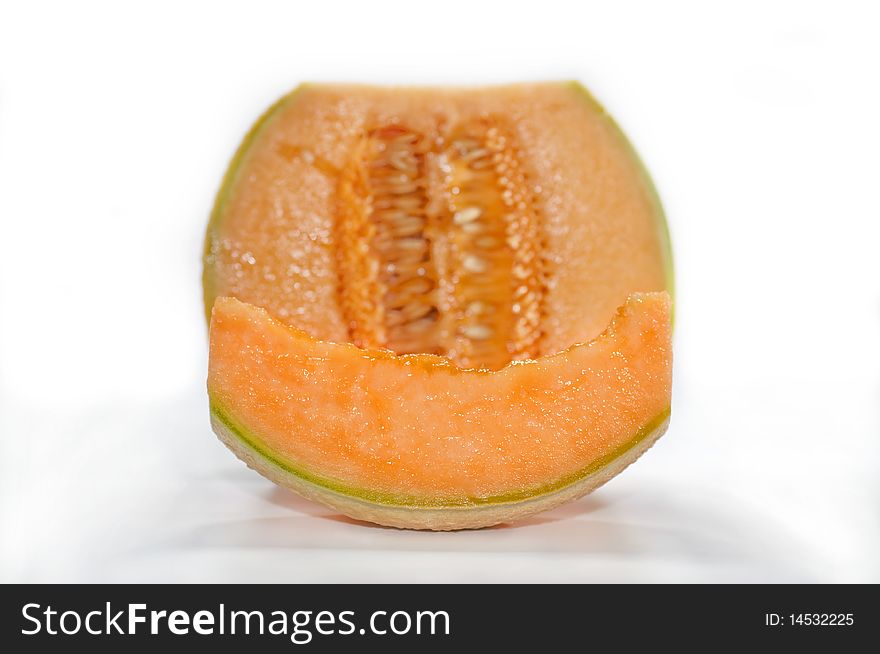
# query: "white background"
{"points": [[761, 124]]}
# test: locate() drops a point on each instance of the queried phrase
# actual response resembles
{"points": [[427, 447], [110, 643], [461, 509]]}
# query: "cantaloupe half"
{"points": [[424, 281], [413, 441]]}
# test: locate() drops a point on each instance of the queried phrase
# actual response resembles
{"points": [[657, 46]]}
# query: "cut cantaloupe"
{"points": [[422, 278], [483, 224], [413, 441]]}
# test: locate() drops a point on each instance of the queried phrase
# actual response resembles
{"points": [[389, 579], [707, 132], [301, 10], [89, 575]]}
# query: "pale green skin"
{"points": [[395, 499], [426, 512], [430, 513]]}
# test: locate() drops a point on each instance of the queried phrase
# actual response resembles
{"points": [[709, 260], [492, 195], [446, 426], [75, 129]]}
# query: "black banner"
{"points": [[431, 618]]}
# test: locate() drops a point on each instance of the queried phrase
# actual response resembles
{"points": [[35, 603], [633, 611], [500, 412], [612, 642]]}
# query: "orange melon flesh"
{"points": [[414, 441], [574, 217]]}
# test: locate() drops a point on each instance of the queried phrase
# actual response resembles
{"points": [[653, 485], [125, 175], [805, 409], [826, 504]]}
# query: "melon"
{"points": [[438, 308], [415, 441]]}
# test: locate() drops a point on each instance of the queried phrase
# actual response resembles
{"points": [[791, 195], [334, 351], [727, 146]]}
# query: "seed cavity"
{"points": [[496, 245], [439, 244], [388, 290]]}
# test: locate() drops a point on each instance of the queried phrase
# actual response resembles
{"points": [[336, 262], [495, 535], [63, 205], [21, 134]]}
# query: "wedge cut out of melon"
{"points": [[413, 441]]}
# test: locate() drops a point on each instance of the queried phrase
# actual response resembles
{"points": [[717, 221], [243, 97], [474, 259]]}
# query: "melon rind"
{"points": [[416, 513]]}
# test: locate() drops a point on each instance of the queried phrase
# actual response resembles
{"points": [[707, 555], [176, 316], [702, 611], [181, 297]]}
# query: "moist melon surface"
{"points": [[414, 431], [438, 308], [485, 225]]}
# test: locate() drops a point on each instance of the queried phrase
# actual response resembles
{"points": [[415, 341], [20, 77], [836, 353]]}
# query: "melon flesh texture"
{"points": [[414, 441], [422, 280], [349, 212]]}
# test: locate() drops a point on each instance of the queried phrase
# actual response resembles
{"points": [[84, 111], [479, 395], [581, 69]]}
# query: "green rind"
{"points": [[412, 501]]}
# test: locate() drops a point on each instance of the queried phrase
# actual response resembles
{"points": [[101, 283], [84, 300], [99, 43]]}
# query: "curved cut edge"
{"points": [[400, 508], [491, 511]]}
